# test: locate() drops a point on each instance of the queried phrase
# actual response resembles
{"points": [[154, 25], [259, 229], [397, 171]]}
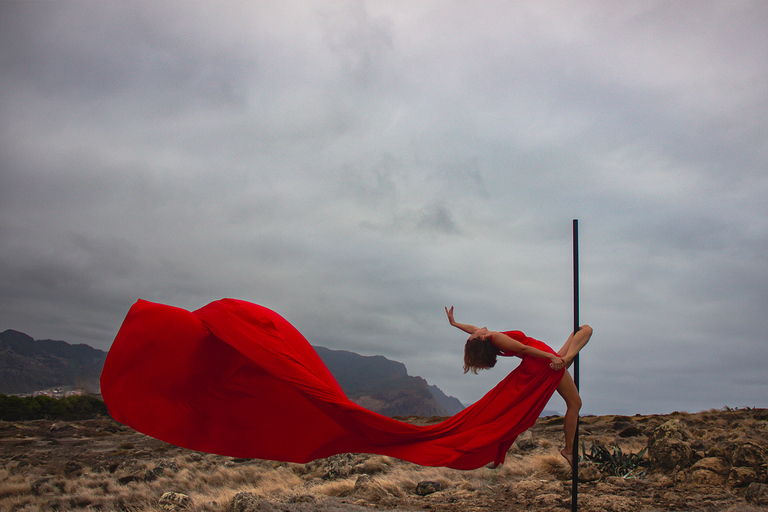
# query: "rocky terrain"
{"points": [[708, 461]]}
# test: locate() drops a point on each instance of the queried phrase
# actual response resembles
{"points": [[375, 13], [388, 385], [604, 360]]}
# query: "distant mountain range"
{"points": [[374, 382], [384, 386], [28, 365]]}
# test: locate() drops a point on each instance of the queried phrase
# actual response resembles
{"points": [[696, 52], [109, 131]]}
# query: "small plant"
{"points": [[616, 463]]}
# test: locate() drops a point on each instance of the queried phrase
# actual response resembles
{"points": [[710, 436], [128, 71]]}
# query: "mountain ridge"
{"points": [[383, 385], [28, 365], [374, 382]]}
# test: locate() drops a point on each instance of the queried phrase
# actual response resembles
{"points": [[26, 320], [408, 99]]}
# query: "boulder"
{"points": [[548, 500], [672, 429], [741, 476], [337, 466], [631, 431], [589, 472], [757, 494], [669, 446], [427, 487], [706, 478], [669, 453], [249, 502], [175, 502], [750, 455], [713, 464]]}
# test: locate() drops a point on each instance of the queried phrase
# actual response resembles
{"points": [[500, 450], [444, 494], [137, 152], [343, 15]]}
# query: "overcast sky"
{"points": [[357, 166]]}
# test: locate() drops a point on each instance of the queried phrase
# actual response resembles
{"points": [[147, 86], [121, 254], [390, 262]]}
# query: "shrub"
{"points": [[616, 463], [71, 408]]}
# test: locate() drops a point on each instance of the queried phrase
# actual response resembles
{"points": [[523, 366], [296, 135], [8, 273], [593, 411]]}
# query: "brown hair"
{"points": [[479, 354]]}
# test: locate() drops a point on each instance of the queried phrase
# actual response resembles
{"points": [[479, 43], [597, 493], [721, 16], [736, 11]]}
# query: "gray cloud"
{"points": [[356, 166]]}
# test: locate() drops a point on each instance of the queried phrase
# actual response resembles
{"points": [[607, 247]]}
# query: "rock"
{"points": [[669, 446], [669, 453], [722, 449], [757, 494], [589, 472], [547, 500], [706, 478], [427, 487], [749, 455], [672, 429], [337, 466], [631, 431], [526, 445], [249, 502], [301, 498], [167, 464], [175, 501], [713, 464], [741, 476], [710, 471]]}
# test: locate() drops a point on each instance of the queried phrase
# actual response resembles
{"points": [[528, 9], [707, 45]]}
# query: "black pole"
{"points": [[575, 468]]}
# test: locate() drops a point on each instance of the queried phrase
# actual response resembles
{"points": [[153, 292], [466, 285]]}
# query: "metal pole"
{"points": [[575, 468]]}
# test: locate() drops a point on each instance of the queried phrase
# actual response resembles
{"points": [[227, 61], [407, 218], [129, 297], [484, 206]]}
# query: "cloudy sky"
{"points": [[357, 166]]}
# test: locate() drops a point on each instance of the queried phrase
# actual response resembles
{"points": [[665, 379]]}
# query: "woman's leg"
{"points": [[574, 344], [564, 349], [567, 389]]}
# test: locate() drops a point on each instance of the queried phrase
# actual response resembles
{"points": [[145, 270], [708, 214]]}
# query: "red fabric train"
{"points": [[237, 379]]}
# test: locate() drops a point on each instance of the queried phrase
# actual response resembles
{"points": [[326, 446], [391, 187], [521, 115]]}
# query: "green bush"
{"points": [[616, 463], [71, 408]]}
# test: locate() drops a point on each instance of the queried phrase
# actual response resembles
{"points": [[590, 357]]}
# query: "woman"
{"points": [[237, 379], [484, 346]]}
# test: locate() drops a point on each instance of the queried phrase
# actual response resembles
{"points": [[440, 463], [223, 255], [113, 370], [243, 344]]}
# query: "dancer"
{"points": [[237, 379], [483, 347]]}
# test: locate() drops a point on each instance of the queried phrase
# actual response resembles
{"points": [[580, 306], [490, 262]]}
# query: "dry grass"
{"points": [[129, 472], [212, 481]]}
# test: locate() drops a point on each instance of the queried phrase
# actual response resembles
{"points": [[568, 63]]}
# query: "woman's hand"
{"points": [[557, 363], [468, 328], [449, 312]]}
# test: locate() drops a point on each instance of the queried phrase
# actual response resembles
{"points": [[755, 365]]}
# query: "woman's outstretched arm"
{"points": [[468, 328], [507, 344]]}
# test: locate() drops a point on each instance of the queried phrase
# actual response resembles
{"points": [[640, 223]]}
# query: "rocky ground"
{"points": [[709, 461]]}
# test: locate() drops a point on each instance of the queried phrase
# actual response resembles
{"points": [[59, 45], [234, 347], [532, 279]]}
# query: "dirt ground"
{"points": [[103, 465]]}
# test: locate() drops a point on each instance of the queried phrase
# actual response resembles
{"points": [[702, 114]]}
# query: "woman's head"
{"points": [[479, 352]]}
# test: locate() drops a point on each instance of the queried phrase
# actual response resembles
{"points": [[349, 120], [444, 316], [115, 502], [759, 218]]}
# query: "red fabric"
{"points": [[237, 379]]}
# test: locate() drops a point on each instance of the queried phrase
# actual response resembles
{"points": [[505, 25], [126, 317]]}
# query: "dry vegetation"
{"points": [[101, 465]]}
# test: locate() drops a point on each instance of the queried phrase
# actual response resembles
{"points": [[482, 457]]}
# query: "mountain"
{"points": [[28, 365], [374, 382], [384, 386], [449, 403]]}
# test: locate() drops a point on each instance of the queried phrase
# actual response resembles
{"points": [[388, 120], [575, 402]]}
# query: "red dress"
{"points": [[237, 379]]}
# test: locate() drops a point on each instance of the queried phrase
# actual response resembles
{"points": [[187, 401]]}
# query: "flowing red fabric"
{"points": [[237, 379]]}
